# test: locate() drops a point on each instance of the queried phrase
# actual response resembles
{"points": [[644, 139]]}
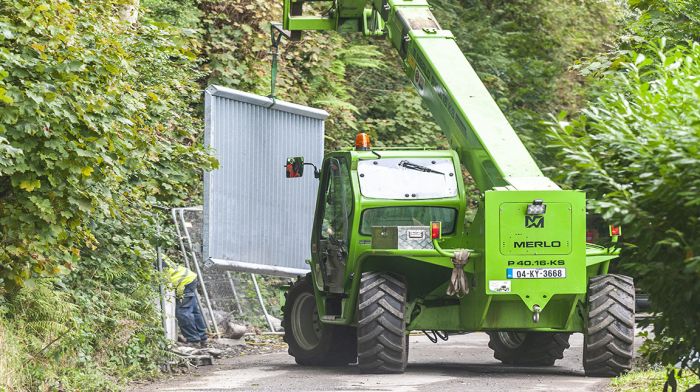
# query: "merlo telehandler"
{"points": [[392, 250]]}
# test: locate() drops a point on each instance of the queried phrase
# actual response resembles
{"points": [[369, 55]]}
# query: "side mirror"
{"points": [[295, 167]]}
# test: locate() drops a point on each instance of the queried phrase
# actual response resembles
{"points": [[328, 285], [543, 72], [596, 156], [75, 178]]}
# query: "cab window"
{"points": [[408, 216], [337, 200]]}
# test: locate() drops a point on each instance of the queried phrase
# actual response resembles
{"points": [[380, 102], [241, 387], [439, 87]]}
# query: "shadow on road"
{"points": [[493, 368], [438, 368]]}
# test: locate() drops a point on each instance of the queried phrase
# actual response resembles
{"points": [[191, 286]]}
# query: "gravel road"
{"points": [[464, 363]]}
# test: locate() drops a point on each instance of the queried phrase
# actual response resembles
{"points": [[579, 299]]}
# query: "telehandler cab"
{"points": [[391, 251]]}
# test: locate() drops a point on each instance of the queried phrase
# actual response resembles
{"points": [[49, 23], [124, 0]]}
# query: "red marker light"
{"points": [[615, 230], [435, 230]]}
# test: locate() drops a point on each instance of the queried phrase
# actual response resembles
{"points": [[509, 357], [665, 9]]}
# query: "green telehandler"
{"points": [[391, 251]]}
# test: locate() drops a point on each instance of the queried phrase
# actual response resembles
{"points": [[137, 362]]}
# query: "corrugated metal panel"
{"points": [[255, 219]]}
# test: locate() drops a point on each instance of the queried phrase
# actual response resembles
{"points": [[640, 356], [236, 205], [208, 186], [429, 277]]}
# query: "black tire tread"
{"points": [[338, 345], [381, 339], [537, 349], [608, 348]]}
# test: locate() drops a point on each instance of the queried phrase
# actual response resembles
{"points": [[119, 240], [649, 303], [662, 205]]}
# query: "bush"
{"points": [[678, 20], [56, 337], [636, 152], [98, 125], [95, 122]]}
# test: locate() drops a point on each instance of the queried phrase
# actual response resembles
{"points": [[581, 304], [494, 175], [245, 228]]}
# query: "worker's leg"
{"points": [[199, 323], [185, 315]]}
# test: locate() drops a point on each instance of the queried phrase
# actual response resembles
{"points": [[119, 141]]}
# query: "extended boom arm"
{"points": [[470, 118]]}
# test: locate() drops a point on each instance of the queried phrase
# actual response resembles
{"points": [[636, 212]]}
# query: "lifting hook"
{"points": [[536, 313], [276, 35]]}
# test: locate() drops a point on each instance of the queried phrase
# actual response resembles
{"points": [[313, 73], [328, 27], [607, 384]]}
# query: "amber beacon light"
{"points": [[362, 142]]}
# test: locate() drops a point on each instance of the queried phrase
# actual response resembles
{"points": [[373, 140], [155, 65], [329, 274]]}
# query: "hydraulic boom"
{"points": [[472, 121]]}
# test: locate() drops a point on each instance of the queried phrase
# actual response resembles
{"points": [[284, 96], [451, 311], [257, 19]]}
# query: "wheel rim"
{"points": [[512, 340], [305, 323]]}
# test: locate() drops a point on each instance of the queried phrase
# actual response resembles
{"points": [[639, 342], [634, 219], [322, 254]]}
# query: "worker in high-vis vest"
{"points": [[188, 314]]}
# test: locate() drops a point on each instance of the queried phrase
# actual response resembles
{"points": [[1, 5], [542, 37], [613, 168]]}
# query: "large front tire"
{"points": [[608, 344], [528, 348], [381, 332], [310, 341]]}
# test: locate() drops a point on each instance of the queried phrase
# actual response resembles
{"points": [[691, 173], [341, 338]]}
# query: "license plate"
{"points": [[536, 273]]}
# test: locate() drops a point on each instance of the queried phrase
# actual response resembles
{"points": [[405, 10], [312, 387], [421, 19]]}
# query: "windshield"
{"points": [[408, 216], [407, 178]]}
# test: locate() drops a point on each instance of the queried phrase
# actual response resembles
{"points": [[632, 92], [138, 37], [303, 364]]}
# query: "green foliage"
{"points": [[677, 20], [636, 151], [521, 48], [388, 107], [236, 41], [88, 130], [11, 360], [180, 13], [642, 92], [395, 117], [311, 71], [523, 51], [98, 124], [650, 380], [644, 20], [77, 340]]}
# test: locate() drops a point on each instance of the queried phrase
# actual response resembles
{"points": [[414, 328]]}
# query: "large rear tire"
{"points": [[381, 333], [608, 345], [528, 348], [310, 341]]}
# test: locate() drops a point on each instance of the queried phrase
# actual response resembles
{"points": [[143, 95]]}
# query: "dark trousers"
{"points": [[189, 315]]}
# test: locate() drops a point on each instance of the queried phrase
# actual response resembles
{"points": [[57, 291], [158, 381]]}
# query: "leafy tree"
{"points": [[677, 20], [636, 152]]}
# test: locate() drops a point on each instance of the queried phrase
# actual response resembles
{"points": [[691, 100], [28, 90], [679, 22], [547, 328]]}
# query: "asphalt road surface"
{"points": [[464, 363]]}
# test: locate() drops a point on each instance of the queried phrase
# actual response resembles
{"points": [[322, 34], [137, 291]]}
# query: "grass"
{"points": [[10, 361], [650, 380]]}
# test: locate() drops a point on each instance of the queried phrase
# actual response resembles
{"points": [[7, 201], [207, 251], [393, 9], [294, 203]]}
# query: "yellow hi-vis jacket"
{"points": [[179, 276]]}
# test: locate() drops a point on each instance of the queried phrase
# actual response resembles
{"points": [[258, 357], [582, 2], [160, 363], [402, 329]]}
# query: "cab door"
{"points": [[329, 244]]}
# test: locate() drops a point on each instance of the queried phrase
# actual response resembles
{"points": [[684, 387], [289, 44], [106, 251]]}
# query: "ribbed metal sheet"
{"points": [[255, 219]]}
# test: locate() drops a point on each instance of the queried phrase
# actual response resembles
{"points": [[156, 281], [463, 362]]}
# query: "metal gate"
{"points": [[255, 219]]}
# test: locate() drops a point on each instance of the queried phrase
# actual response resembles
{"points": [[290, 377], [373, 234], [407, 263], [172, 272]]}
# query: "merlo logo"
{"points": [[534, 221]]}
